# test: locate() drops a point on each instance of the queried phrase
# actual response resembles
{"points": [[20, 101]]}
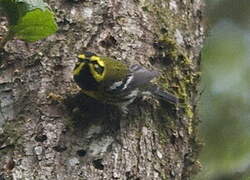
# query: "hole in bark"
{"points": [[98, 164], [58, 67], [172, 139], [164, 30], [41, 138], [166, 60], [128, 174], [60, 148], [160, 45], [108, 42], [73, 1], [81, 152]]}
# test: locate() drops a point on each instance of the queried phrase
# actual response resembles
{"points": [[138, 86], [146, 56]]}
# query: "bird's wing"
{"points": [[137, 77], [140, 75]]}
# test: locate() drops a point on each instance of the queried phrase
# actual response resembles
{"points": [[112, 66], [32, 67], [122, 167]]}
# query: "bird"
{"points": [[114, 82]]}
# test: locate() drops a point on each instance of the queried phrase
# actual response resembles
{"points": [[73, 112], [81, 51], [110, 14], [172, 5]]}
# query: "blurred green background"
{"points": [[225, 101]]}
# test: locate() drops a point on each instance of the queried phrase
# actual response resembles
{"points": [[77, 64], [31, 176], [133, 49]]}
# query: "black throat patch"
{"points": [[85, 80]]}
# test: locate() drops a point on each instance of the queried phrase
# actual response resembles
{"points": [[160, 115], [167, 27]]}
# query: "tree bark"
{"points": [[51, 131]]}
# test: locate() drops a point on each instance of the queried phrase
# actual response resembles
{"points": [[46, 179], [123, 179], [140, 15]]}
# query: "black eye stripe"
{"points": [[99, 69], [95, 62], [83, 60]]}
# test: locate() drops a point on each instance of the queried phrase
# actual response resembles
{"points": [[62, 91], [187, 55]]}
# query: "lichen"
{"points": [[181, 78]]}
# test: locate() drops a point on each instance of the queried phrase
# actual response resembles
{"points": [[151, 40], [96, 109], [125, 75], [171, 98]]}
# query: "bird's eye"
{"points": [[99, 69]]}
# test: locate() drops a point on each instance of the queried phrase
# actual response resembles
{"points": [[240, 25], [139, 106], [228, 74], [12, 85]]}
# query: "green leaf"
{"points": [[35, 25], [29, 20]]}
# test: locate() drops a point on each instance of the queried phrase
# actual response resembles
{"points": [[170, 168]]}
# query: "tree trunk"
{"points": [[51, 131]]}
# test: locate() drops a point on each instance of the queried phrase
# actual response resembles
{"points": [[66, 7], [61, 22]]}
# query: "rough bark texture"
{"points": [[50, 131]]}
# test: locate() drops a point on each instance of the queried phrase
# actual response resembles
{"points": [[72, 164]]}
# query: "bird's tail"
{"points": [[161, 94]]}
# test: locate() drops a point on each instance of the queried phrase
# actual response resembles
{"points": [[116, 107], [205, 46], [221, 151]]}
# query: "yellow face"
{"points": [[95, 63]]}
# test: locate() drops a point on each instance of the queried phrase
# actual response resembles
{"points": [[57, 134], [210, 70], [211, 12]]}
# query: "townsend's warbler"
{"points": [[114, 82]]}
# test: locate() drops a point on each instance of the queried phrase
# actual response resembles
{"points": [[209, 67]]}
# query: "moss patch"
{"points": [[180, 77]]}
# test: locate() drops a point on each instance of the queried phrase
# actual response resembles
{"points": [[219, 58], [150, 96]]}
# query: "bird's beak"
{"points": [[81, 56]]}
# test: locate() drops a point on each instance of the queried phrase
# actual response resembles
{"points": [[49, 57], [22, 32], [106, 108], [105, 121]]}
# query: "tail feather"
{"points": [[162, 95]]}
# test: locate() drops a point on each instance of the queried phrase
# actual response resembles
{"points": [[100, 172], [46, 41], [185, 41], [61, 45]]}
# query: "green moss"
{"points": [[181, 78], [168, 50], [178, 77]]}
